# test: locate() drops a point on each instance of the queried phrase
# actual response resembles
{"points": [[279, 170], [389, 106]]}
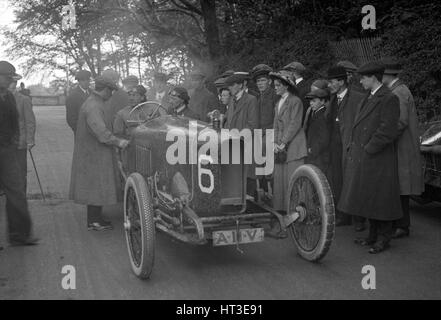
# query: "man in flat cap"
{"points": [[11, 175], [353, 79], [267, 97], [202, 101], [303, 86], [93, 180], [409, 158], [77, 97], [343, 106], [371, 186]]}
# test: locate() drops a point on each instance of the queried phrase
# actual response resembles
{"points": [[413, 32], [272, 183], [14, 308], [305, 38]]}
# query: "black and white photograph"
{"points": [[230, 152]]}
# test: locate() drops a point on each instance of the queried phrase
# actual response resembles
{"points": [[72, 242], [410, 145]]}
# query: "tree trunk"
{"points": [[208, 8]]}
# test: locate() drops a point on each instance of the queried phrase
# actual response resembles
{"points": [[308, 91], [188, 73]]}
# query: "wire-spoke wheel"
{"points": [[139, 225], [314, 231]]}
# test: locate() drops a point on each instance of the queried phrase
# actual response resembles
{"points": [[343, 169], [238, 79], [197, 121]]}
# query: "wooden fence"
{"points": [[48, 100], [358, 51]]}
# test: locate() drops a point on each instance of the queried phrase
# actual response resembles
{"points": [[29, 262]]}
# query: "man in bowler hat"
{"points": [[342, 109]]}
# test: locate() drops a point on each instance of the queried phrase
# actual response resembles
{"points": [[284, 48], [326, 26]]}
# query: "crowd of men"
{"points": [[358, 125]]}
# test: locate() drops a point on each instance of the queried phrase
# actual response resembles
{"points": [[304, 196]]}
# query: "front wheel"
{"points": [[139, 225], [314, 231]]}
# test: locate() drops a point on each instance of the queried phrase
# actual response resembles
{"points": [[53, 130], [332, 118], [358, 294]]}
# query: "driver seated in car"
{"points": [[179, 100], [135, 113]]}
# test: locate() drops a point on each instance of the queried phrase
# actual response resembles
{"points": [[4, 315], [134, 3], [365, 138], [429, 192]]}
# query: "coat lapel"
{"points": [[396, 85], [283, 108], [369, 105]]}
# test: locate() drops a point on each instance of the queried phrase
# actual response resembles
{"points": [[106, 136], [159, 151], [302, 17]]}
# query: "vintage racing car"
{"points": [[206, 202], [431, 152]]}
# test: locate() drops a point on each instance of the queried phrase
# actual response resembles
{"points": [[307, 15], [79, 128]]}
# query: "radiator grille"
{"points": [[143, 160]]}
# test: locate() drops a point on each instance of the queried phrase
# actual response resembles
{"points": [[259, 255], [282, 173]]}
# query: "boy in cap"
{"points": [[408, 146], [342, 109], [202, 101], [11, 174], [77, 97], [317, 130], [371, 186], [93, 176]]}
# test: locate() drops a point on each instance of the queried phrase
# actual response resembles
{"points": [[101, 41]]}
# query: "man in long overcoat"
{"points": [[242, 114], [76, 98], [343, 106], [409, 158], [371, 186], [93, 181]]}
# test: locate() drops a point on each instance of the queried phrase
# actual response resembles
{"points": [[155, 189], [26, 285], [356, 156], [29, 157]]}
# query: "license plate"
{"points": [[230, 237]]}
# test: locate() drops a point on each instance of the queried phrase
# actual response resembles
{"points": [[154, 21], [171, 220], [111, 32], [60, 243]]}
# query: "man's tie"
{"points": [[340, 99]]}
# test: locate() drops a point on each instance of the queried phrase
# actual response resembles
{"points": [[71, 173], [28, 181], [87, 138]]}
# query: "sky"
{"points": [[6, 20]]}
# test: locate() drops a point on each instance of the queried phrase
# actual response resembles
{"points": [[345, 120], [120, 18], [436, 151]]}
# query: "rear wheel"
{"points": [[314, 231], [139, 225]]}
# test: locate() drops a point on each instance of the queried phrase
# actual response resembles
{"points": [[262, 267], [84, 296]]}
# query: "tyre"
{"points": [[139, 225], [314, 231]]}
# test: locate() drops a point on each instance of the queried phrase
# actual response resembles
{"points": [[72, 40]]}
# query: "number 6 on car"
{"points": [[204, 160]]}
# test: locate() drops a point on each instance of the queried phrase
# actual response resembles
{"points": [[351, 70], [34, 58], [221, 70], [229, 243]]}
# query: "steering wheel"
{"points": [[150, 115]]}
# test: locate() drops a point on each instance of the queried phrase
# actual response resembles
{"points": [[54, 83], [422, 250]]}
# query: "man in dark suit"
{"points": [[371, 187], [303, 86], [341, 113], [77, 97]]}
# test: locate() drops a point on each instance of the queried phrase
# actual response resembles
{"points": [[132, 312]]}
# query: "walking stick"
{"points": [[36, 173]]}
